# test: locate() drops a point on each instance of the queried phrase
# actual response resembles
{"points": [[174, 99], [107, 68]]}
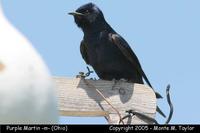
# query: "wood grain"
{"points": [[76, 98]]}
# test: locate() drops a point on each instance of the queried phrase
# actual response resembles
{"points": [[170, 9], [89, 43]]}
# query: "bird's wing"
{"points": [[83, 50], [129, 54]]}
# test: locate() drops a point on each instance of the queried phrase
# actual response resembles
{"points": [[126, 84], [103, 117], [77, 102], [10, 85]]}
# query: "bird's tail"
{"points": [[156, 93]]}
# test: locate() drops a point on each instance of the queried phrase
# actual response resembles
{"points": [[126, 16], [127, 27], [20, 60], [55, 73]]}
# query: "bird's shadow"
{"points": [[119, 89]]}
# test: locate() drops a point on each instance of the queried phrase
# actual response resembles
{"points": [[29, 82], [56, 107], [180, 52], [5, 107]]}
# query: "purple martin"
{"points": [[105, 50]]}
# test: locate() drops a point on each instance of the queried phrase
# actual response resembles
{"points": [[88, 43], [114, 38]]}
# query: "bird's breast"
{"points": [[103, 55]]}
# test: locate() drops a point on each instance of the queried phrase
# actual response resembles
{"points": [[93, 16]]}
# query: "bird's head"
{"points": [[87, 15]]}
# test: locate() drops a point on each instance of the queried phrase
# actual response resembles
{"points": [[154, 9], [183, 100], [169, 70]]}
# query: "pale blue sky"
{"points": [[165, 35]]}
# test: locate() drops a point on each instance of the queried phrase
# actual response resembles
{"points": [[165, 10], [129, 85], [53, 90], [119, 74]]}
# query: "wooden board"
{"points": [[76, 98]]}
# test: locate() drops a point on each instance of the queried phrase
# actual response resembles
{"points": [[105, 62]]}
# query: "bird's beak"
{"points": [[76, 14]]}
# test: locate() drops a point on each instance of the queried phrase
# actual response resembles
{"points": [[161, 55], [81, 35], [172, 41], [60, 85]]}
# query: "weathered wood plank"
{"points": [[76, 98]]}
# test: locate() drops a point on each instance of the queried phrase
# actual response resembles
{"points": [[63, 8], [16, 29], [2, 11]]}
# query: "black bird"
{"points": [[105, 50]]}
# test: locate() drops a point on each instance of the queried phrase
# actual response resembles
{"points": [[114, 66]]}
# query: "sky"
{"points": [[165, 35]]}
